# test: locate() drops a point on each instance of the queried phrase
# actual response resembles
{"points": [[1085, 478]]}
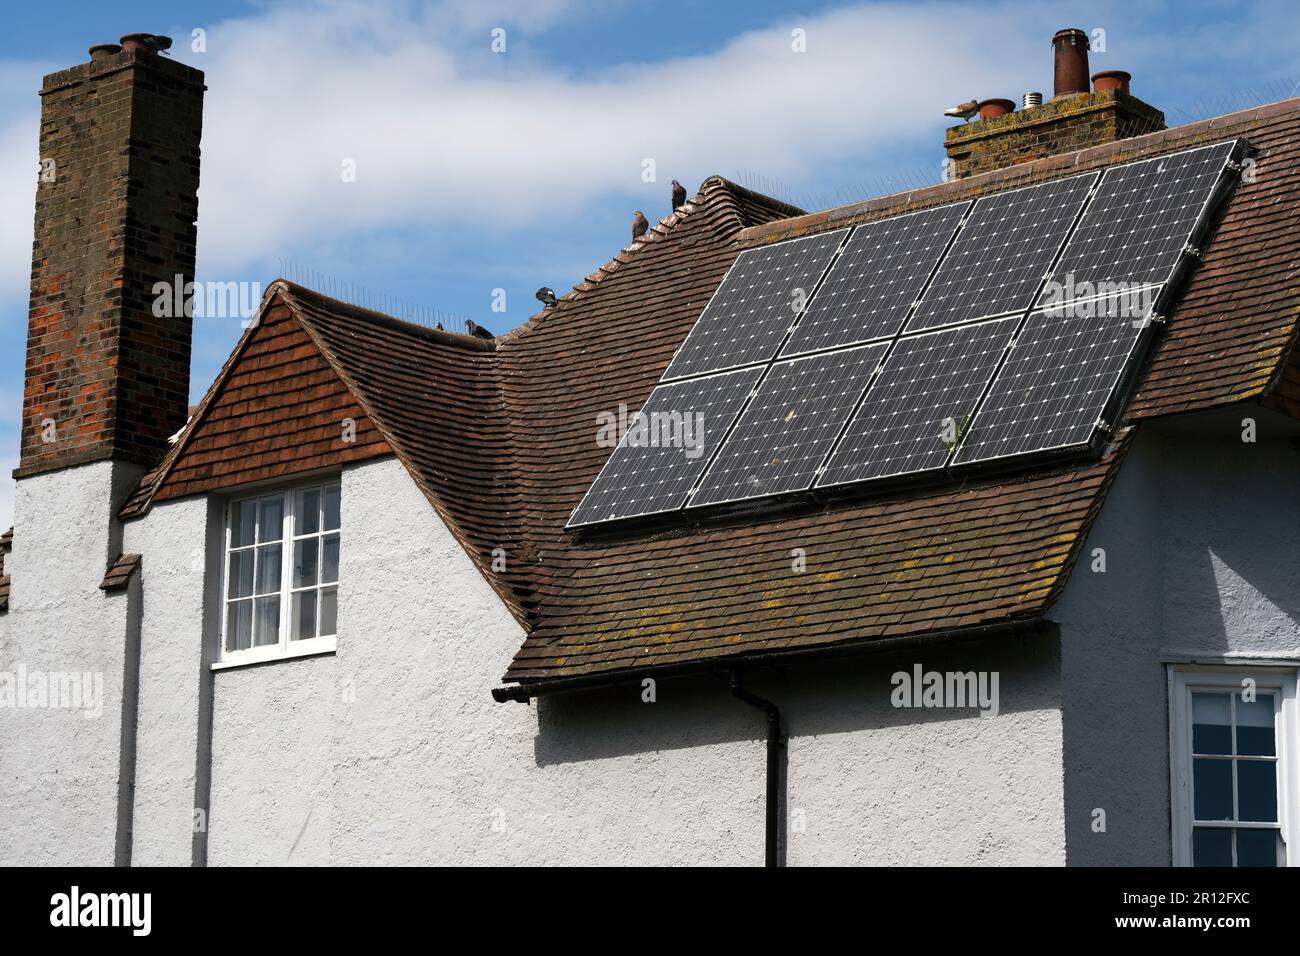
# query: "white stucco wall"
{"points": [[59, 770], [172, 670], [1200, 533], [394, 752]]}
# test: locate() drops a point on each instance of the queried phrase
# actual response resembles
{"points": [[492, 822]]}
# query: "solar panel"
{"points": [[1002, 253], [1137, 224], [915, 411], [876, 279], [786, 432], [1059, 378], [666, 446], [754, 307]]}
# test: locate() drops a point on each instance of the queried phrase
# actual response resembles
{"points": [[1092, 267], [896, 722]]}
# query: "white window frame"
{"points": [[1183, 679], [285, 648]]}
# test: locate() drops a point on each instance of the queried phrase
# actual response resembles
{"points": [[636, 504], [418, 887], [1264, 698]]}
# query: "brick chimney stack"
{"points": [[1074, 118], [116, 204]]}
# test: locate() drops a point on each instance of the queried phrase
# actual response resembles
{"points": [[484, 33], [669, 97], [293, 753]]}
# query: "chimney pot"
{"points": [[1030, 100], [995, 107], [101, 50], [1071, 69], [1111, 80]]}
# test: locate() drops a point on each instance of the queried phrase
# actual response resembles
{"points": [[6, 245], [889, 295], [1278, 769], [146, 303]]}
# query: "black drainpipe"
{"points": [[773, 762]]}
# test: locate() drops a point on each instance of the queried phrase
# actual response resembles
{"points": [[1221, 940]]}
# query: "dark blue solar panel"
{"points": [[875, 280], [758, 301], [1059, 378], [1140, 219], [1002, 253], [788, 428], [666, 447], [923, 398]]}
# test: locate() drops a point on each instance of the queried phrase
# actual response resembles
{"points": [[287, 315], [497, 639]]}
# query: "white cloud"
{"points": [[444, 133]]}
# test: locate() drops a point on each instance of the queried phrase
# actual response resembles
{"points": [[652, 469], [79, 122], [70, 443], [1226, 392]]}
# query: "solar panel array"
{"points": [[956, 336]]}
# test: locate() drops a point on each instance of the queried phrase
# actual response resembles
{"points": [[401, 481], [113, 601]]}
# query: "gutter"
{"points": [[526, 691]]}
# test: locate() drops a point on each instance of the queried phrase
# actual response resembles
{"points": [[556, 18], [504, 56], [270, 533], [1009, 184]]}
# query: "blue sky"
{"points": [[478, 171]]}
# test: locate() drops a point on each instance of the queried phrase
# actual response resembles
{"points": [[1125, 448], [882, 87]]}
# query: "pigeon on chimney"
{"points": [[477, 330], [679, 194], [639, 225], [156, 44], [963, 111], [545, 296]]}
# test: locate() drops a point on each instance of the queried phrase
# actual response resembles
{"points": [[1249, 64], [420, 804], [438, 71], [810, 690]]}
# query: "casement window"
{"points": [[1233, 773], [281, 574]]}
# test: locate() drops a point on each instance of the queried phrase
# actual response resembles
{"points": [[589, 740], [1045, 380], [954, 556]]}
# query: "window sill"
{"points": [[264, 655]]}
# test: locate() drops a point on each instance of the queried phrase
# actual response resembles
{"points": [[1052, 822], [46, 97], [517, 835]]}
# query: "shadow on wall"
{"points": [[862, 780]]}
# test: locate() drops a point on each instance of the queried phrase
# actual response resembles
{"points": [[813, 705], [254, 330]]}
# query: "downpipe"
{"points": [[773, 713]]}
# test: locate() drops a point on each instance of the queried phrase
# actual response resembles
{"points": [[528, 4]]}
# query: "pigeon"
{"points": [[639, 225], [545, 296], [679, 194], [477, 330], [963, 111]]}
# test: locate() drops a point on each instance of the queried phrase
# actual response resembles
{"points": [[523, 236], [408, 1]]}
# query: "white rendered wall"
{"points": [[394, 751], [59, 769], [1201, 534]]}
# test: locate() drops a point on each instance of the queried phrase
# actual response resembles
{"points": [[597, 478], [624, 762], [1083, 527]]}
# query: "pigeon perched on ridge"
{"points": [[639, 225], [679, 194], [545, 296], [963, 111], [477, 330]]}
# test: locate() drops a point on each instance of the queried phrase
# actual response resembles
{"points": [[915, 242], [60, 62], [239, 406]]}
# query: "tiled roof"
{"points": [[502, 440], [431, 397], [934, 559], [119, 575]]}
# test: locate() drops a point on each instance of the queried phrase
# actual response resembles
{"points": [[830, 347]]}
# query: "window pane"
{"points": [[1255, 727], [270, 518], [1211, 724], [329, 565], [1257, 791], [1211, 847], [304, 615], [268, 569], [243, 518], [1257, 847], [239, 625], [332, 508], [241, 574], [1212, 789], [305, 555], [329, 610], [306, 516], [267, 621]]}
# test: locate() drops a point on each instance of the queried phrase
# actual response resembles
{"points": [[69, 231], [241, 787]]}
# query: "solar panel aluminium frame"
{"points": [[830, 264], [1223, 187]]}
